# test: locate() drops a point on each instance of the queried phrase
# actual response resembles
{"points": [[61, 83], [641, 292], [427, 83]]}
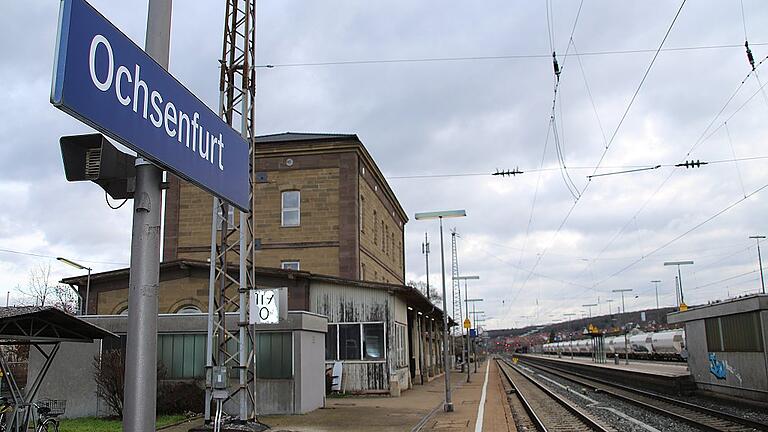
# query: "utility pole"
{"points": [[656, 282], [760, 259], [682, 306], [466, 306], [458, 279], [237, 94], [425, 251], [448, 405], [610, 311], [457, 312], [622, 291], [139, 413], [590, 308]]}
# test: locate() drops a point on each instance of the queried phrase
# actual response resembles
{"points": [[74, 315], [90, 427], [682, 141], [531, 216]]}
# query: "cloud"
{"points": [[457, 117]]}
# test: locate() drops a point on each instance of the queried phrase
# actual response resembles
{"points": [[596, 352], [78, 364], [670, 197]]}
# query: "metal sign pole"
{"points": [[141, 352]]}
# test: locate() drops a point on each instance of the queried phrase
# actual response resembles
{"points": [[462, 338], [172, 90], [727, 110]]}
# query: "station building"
{"points": [[329, 229], [322, 205], [726, 344]]}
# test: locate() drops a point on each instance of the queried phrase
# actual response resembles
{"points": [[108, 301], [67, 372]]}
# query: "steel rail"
{"points": [[578, 414], [615, 390], [526, 405]]}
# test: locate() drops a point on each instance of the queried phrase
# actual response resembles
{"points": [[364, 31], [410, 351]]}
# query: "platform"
{"points": [[417, 409], [657, 376]]}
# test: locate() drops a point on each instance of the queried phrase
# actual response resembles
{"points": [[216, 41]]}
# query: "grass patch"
{"points": [[93, 424]]}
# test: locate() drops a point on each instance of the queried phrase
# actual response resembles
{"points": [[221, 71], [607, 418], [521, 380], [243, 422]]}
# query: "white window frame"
{"points": [[284, 263], [401, 346], [283, 209], [362, 353]]}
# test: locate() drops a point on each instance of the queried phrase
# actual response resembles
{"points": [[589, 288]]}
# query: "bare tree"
{"points": [[42, 291], [434, 296]]}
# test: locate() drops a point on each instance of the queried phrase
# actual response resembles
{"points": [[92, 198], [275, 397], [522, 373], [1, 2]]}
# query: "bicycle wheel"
{"points": [[49, 425]]}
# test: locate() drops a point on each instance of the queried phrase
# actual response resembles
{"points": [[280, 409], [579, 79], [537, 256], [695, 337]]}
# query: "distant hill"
{"points": [[654, 318]]}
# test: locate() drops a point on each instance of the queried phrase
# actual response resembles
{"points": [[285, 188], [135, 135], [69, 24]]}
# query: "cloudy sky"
{"points": [[443, 94]]}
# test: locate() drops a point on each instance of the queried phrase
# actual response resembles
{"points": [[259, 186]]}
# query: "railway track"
{"points": [[695, 415], [536, 407]]}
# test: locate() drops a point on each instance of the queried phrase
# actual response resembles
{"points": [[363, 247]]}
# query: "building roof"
{"points": [[302, 142], [410, 293], [302, 136], [35, 324], [749, 303]]}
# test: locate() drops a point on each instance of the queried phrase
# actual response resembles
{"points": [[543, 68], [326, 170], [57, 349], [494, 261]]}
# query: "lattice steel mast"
{"points": [[457, 312], [234, 349]]}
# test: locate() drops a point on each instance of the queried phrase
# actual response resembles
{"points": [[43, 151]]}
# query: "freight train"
{"points": [[663, 345]]}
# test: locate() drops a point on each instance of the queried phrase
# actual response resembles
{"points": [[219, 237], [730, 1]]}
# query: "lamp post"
{"points": [[570, 335], [760, 259], [590, 308], [83, 308], [448, 405], [682, 306], [466, 309], [656, 282], [469, 336], [477, 333], [624, 310], [622, 291], [425, 251]]}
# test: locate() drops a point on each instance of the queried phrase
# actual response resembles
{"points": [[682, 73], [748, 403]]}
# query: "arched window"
{"points": [[189, 309]]}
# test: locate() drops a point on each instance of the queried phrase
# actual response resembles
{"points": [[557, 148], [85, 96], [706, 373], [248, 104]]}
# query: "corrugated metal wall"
{"points": [[342, 303], [349, 304]]}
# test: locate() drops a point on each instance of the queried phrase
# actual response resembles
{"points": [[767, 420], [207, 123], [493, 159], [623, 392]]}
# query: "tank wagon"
{"points": [[663, 345]]}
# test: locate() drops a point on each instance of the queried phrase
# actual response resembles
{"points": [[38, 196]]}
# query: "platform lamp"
{"points": [[477, 321], [440, 215], [590, 308], [466, 314], [570, 335], [656, 283], [622, 291], [469, 330], [682, 306], [84, 308]]}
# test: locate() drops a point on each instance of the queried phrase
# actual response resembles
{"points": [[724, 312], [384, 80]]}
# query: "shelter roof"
{"points": [[35, 324], [301, 136], [413, 295]]}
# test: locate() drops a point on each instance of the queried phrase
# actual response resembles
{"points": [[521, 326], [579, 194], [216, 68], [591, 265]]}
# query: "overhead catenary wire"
{"points": [[610, 142], [735, 163], [38, 255], [499, 57], [703, 137], [549, 130], [589, 94], [709, 284], [680, 236], [553, 168]]}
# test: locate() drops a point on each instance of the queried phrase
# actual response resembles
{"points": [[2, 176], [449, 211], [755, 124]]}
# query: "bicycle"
{"points": [[6, 408], [48, 412]]}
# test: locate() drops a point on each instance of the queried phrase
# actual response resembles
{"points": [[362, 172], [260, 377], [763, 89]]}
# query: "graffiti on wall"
{"points": [[720, 369], [717, 367]]}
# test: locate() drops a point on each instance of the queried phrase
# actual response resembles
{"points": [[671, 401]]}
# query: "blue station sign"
{"points": [[104, 79]]}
